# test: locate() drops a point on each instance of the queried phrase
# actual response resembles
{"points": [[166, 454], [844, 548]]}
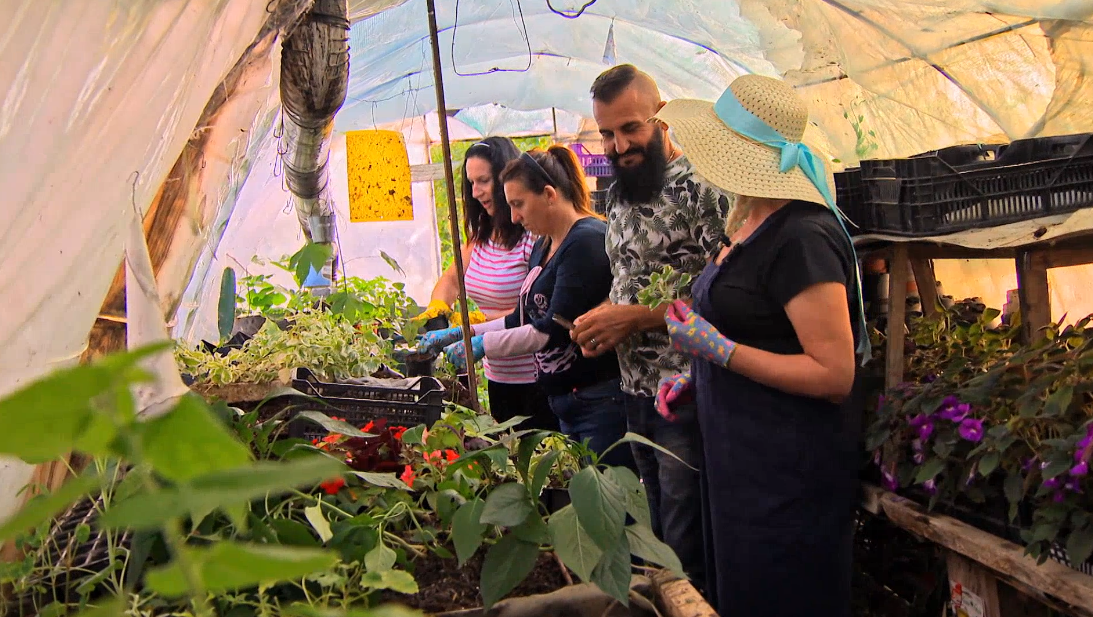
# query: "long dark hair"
{"points": [[558, 167], [479, 225]]}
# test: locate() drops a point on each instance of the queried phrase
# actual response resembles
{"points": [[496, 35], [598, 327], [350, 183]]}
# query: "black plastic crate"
{"points": [[599, 201], [969, 187], [420, 403]]}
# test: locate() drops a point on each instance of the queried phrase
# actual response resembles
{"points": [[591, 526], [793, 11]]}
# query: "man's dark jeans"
{"points": [[596, 413], [675, 494]]}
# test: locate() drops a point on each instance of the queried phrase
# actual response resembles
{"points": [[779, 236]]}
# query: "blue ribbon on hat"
{"points": [[794, 154]]}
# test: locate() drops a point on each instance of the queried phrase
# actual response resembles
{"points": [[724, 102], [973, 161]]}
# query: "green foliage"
{"points": [[226, 306], [665, 285]]}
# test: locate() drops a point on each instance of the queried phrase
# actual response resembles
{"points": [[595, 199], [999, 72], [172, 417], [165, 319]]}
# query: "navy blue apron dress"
{"points": [[778, 502]]}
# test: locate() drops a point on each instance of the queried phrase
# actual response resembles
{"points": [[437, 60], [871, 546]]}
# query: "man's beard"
{"points": [[641, 183]]}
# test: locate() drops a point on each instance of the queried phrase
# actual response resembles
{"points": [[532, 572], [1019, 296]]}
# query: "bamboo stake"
{"points": [[453, 217]]}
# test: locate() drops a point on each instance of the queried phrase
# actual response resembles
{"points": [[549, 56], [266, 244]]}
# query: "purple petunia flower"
{"points": [[890, 481], [919, 458], [1079, 470], [971, 475], [1059, 497], [1028, 463], [1072, 485], [876, 458], [971, 429], [918, 420], [930, 378], [930, 486], [1052, 483], [956, 413]]}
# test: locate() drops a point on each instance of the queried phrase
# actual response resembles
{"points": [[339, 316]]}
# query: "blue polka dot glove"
{"points": [[696, 337], [674, 390], [439, 339], [456, 353]]}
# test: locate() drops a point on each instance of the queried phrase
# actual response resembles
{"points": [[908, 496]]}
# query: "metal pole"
{"points": [[453, 217]]}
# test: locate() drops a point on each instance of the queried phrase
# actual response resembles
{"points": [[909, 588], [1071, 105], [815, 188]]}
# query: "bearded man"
{"points": [[660, 213]]}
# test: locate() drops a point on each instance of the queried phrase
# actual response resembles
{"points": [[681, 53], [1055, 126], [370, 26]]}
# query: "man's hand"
{"points": [[600, 330]]}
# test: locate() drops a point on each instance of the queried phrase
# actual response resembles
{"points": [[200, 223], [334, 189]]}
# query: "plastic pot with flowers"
{"points": [[996, 427]]}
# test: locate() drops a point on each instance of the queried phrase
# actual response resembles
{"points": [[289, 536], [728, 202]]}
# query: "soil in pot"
{"points": [[444, 586]]}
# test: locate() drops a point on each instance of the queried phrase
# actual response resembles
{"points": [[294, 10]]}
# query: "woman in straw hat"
{"points": [[775, 322]]}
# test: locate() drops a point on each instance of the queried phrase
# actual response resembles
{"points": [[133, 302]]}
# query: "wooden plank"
{"points": [[1066, 256], [973, 588], [1032, 287], [679, 598], [923, 270], [897, 316], [1066, 586]]}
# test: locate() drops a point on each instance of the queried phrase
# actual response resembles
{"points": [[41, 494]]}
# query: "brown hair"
{"points": [[558, 167]]}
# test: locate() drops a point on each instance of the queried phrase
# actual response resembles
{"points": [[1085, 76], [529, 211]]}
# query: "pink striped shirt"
{"points": [[493, 279]]}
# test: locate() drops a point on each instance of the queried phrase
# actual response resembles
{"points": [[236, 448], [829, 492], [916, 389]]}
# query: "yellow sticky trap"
{"points": [[379, 177]]}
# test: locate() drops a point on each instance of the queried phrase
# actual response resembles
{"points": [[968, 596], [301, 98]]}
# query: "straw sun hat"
{"points": [[750, 141]]}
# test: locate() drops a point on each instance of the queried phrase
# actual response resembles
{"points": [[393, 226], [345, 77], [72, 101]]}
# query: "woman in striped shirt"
{"points": [[495, 258]]}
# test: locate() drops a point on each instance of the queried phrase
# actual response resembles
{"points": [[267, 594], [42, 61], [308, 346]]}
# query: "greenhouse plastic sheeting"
{"points": [[263, 225], [921, 74], [98, 100]]}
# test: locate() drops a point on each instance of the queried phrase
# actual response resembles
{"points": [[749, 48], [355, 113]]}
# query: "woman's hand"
{"points": [[436, 308], [456, 353], [696, 337], [438, 339], [674, 389]]}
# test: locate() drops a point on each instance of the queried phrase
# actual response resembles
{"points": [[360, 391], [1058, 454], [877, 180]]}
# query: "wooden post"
{"points": [[897, 316], [1033, 291], [453, 218], [972, 588], [923, 270]]}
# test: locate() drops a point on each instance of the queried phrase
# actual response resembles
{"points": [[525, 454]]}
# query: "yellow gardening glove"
{"points": [[436, 308], [476, 317]]}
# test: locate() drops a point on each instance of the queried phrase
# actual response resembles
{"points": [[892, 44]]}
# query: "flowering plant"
{"points": [[990, 421]]}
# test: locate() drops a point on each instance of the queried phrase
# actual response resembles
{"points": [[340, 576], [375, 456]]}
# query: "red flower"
{"points": [[367, 428], [397, 432], [331, 487], [408, 476], [332, 438], [451, 455]]}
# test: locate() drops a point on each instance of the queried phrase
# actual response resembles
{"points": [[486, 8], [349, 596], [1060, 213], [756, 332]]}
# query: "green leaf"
{"points": [[467, 531], [542, 472], [380, 558], [612, 574], [382, 480], [388, 610], [413, 435], [313, 255], [644, 544], [217, 490], [398, 581], [930, 470], [292, 533], [107, 607], [43, 508], [330, 424], [189, 441], [507, 505], [1056, 468], [1058, 402], [637, 501], [527, 447], [572, 543], [635, 438], [504, 426], [228, 566], [533, 530], [314, 515], [1028, 405], [988, 463], [600, 504], [507, 563], [1079, 545], [225, 310]]}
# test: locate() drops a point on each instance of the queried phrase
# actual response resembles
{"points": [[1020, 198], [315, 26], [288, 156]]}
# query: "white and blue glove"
{"points": [[456, 353]]}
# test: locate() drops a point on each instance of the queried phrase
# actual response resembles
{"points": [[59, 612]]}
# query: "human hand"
{"points": [[475, 317], [436, 308], [696, 337], [456, 353], [674, 389], [438, 339], [600, 330]]}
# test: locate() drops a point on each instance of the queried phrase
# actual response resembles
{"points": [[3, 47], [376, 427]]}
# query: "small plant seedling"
{"points": [[664, 287]]}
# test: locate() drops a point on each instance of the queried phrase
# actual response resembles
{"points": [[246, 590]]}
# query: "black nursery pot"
{"points": [[420, 364]]}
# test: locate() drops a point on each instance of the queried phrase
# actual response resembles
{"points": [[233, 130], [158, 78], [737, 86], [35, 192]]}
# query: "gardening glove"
{"points": [[456, 353], [439, 339], [696, 337], [674, 389], [436, 308], [476, 317]]}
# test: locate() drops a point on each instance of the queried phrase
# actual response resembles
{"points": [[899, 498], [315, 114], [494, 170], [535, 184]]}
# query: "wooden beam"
{"points": [[923, 270], [678, 598], [1065, 257], [1033, 291], [897, 316], [1066, 586]]}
